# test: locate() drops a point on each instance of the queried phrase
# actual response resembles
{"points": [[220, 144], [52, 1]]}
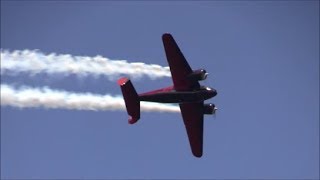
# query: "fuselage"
{"points": [[174, 96]]}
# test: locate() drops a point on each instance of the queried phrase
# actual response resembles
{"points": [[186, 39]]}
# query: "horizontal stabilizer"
{"points": [[131, 99]]}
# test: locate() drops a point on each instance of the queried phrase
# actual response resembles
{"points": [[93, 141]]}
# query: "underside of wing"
{"points": [[192, 114], [179, 67]]}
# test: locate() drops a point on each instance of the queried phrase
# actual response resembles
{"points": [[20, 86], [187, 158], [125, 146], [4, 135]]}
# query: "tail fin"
{"points": [[131, 99]]}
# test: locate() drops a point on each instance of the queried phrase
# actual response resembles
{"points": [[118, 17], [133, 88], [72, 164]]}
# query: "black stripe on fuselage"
{"points": [[177, 97]]}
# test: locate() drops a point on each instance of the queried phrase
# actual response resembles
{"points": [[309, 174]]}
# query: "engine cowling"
{"points": [[199, 75], [209, 109]]}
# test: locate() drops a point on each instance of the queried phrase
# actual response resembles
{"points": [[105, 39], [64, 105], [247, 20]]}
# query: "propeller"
{"points": [[215, 112], [206, 81], [206, 75]]}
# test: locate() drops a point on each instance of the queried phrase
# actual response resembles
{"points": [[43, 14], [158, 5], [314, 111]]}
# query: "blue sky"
{"points": [[263, 59]]}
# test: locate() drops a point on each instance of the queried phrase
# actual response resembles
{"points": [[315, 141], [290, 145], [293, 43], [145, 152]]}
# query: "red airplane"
{"points": [[186, 91]]}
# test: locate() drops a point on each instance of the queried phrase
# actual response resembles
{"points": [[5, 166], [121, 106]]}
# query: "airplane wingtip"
{"points": [[197, 154], [166, 35]]}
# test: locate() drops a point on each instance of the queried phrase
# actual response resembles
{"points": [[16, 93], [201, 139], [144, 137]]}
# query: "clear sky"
{"points": [[263, 59]]}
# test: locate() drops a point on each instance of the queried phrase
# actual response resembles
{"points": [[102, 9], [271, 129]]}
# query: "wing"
{"points": [[179, 67], [192, 114]]}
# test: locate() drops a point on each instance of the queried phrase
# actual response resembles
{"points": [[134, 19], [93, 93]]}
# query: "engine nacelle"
{"points": [[199, 75], [209, 109]]}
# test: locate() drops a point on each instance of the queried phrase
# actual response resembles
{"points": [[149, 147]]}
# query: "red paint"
{"points": [[185, 90]]}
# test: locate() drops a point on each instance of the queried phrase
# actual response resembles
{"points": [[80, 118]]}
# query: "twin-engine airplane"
{"points": [[186, 91]]}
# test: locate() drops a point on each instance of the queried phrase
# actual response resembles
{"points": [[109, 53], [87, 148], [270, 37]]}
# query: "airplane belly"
{"points": [[173, 97]]}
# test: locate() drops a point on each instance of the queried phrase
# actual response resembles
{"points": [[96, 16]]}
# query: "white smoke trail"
{"points": [[27, 97], [34, 61]]}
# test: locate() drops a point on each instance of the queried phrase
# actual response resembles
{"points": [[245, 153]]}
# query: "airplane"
{"points": [[186, 91]]}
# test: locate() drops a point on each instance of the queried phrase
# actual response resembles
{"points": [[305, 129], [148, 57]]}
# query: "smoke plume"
{"points": [[34, 61], [27, 97]]}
